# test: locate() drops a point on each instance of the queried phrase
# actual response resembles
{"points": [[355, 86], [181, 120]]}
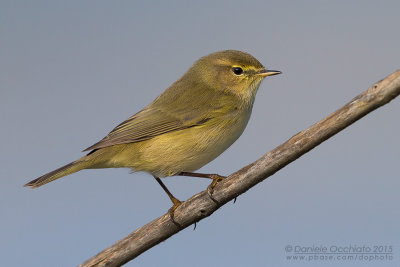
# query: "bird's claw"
{"points": [[171, 211], [210, 189]]}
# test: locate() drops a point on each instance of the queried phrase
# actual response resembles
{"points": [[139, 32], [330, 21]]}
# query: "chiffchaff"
{"points": [[191, 123]]}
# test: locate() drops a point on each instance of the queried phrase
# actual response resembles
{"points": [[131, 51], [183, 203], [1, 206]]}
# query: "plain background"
{"points": [[72, 70]]}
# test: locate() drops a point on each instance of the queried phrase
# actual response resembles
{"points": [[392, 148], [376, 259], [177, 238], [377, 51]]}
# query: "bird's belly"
{"points": [[185, 150]]}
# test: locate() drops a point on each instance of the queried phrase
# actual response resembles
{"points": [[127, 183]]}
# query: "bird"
{"points": [[188, 125]]}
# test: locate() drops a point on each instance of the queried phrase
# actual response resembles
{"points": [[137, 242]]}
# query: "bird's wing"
{"points": [[145, 125]]}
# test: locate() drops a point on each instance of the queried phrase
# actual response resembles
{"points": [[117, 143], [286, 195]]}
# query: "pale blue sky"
{"points": [[72, 70]]}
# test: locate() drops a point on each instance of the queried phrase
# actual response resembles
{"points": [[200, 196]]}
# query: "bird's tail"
{"points": [[58, 173]]}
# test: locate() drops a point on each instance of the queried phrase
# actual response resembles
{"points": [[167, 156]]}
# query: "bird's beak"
{"points": [[265, 73]]}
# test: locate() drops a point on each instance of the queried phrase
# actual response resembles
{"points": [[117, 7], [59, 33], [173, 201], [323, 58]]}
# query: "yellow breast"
{"points": [[184, 150]]}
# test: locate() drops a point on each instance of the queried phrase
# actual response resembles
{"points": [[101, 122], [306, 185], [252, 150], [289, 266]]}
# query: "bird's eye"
{"points": [[237, 70]]}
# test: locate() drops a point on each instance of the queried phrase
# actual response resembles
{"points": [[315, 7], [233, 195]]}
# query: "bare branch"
{"points": [[201, 205]]}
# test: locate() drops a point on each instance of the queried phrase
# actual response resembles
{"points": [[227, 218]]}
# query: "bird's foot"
{"points": [[171, 211], [210, 189]]}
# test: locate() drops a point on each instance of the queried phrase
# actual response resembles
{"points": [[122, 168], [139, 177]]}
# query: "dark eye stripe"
{"points": [[237, 70]]}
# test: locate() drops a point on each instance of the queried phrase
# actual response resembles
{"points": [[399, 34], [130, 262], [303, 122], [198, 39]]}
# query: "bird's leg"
{"points": [[210, 189], [176, 202]]}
